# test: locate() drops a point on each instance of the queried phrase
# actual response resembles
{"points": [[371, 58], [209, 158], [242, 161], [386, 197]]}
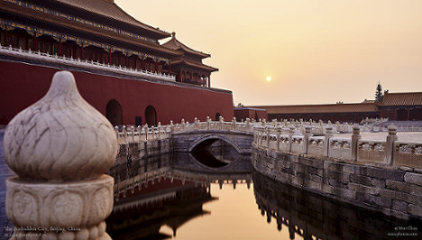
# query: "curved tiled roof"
{"points": [[402, 99], [323, 108], [193, 64], [175, 44], [109, 9]]}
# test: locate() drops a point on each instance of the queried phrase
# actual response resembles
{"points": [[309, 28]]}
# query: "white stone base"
{"points": [[49, 210]]}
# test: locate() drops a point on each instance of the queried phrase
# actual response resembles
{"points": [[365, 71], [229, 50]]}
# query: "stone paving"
{"points": [[5, 226]]}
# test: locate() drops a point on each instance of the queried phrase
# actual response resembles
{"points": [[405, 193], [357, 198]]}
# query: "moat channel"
{"points": [[218, 195]]}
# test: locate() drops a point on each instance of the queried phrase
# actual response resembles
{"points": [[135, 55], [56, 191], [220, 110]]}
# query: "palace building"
{"points": [[119, 65], [405, 106]]}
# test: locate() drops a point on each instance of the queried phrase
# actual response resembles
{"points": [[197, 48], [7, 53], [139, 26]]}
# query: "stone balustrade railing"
{"points": [[132, 134], [45, 57], [389, 152]]}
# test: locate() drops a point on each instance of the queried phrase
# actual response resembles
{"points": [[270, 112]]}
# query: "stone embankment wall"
{"points": [[382, 181], [307, 214]]}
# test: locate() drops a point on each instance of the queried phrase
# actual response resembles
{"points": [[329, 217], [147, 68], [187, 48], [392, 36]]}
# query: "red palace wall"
{"points": [[22, 85], [243, 113]]}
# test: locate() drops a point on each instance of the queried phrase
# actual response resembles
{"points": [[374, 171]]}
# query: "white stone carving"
{"points": [[60, 137], [60, 147]]}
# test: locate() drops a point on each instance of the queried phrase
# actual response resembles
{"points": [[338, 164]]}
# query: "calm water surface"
{"points": [[181, 197]]}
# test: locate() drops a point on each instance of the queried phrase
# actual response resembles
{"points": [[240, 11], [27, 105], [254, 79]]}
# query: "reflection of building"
{"points": [[307, 214], [120, 67], [142, 212], [395, 106]]}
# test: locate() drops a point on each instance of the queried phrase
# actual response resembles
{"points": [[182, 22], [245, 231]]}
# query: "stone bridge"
{"points": [[185, 136], [188, 141]]}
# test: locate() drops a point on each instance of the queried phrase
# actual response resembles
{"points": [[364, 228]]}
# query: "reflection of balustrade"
{"points": [[388, 152], [314, 217]]}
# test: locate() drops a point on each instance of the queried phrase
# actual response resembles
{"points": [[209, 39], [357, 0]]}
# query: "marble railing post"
{"points": [[291, 133], [308, 134], [146, 132], [221, 121], [391, 138], [171, 127], [159, 130], [268, 137], [328, 135], [208, 123], [132, 130], [278, 139], [182, 122], [60, 147], [116, 129], [124, 133], [139, 129], [355, 139], [234, 123], [248, 124], [196, 123]]}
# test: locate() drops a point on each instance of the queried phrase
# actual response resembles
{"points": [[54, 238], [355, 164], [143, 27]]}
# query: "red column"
{"points": [[26, 43], [156, 66], [181, 76], [6, 38], [109, 56], [60, 47], [82, 50], [34, 42], [127, 61], [136, 59], [142, 64]]}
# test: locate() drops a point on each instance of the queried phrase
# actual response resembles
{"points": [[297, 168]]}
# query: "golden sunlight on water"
{"points": [[235, 215]]}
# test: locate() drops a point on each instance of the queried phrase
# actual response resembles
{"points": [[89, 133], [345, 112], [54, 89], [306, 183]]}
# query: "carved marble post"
{"points": [[391, 138], [171, 127], [234, 123], [355, 139], [60, 147], [308, 134], [328, 135], [291, 133]]}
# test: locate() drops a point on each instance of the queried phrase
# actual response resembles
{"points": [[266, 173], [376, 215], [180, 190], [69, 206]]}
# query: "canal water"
{"points": [[219, 196]]}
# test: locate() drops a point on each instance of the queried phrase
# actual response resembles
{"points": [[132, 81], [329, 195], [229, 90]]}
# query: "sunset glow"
{"points": [[323, 50], [268, 78]]}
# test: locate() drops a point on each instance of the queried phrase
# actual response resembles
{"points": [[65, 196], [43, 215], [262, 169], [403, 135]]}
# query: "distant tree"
{"points": [[240, 105], [378, 94]]}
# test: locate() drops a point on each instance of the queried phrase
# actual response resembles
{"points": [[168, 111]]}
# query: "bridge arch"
{"points": [[210, 138]]}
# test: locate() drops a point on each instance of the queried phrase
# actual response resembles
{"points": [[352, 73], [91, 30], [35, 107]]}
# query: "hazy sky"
{"points": [[316, 51]]}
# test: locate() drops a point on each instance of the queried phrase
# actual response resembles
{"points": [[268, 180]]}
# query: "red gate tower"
{"points": [[119, 65]]}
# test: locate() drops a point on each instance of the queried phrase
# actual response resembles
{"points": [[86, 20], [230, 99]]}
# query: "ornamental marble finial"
{"points": [[60, 147], [60, 137]]}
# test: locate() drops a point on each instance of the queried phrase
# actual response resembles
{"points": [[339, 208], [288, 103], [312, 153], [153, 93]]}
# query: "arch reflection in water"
{"points": [[165, 191], [215, 153]]}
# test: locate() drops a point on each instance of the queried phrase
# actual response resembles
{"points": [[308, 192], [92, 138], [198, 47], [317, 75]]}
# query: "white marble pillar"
{"points": [[60, 147]]}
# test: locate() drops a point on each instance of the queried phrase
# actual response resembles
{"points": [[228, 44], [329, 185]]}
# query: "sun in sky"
{"points": [[268, 78]]}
